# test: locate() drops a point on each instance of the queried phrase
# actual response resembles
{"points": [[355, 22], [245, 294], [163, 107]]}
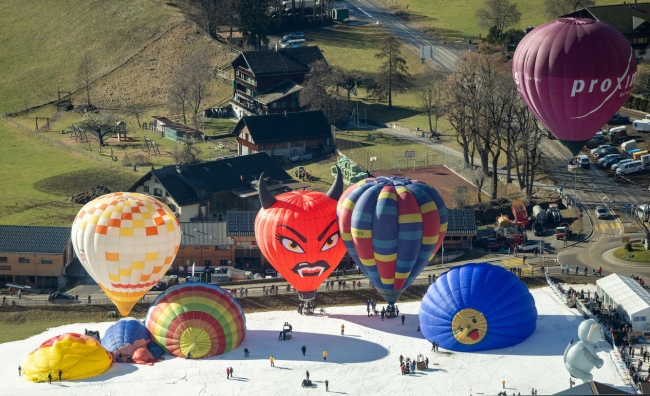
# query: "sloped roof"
{"points": [[274, 128], [183, 182], [620, 16], [461, 222], [282, 61], [175, 125], [593, 388], [204, 233], [285, 88], [32, 239], [626, 292], [241, 223]]}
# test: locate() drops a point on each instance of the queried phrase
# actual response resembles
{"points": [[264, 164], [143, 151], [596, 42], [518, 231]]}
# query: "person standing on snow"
{"points": [[49, 378], [503, 383], [325, 355], [246, 352], [307, 373], [231, 373], [272, 359], [304, 349], [401, 359], [227, 373], [281, 334], [19, 370], [342, 329], [403, 318], [401, 366], [327, 385], [426, 361]]}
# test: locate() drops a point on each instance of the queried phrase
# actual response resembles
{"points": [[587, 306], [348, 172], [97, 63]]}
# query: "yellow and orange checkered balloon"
{"points": [[126, 242]]}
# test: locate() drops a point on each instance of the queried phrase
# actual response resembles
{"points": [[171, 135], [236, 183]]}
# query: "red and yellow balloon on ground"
{"points": [[198, 319], [76, 356], [126, 242], [298, 234]]}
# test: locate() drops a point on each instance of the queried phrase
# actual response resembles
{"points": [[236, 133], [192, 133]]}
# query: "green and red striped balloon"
{"points": [[198, 319], [392, 228]]}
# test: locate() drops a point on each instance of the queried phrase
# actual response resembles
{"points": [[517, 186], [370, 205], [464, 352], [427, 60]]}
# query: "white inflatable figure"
{"points": [[580, 358]]}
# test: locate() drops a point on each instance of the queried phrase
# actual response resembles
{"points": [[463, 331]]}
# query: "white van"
{"points": [[293, 43], [645, 159], [630, 167], [583, 161]]}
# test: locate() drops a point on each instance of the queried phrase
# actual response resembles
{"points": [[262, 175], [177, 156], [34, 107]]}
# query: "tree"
{"points": [[431, 98], [646, 88], [137, 110], [179, 93], [254, 22], [196, 71], [102, 126], [349, 82], [393, 73], [188, 153], [85, 74], [509, 37], [498, 13], [319, 93], [557, 8]]}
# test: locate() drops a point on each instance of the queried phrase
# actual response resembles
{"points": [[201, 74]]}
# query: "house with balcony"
{"points": [[206, 190], [268, 82], [632, 20], [298, 136]]}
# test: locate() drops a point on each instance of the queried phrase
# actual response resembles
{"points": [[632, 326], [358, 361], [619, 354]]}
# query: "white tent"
{"points": [[628, 297]]}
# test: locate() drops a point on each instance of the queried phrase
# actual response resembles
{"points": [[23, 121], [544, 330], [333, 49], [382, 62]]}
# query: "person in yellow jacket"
{"points": [[325, 355], [342, 329], [272, 359]]}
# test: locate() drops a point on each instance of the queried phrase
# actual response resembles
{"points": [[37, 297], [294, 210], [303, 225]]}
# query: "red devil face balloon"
{"points": [[298, 234], [574, 74]]}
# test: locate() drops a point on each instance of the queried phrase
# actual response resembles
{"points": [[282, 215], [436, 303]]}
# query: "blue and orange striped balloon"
{"points": [[392, 228]]}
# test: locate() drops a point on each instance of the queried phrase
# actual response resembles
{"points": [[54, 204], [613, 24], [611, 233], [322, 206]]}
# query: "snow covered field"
{"points": [[364, 361]]}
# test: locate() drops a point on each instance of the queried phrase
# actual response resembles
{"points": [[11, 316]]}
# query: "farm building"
{"points": [[175, 131], [295, 135]]}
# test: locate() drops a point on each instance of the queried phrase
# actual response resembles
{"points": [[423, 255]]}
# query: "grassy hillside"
{"points": [[44, 41], [457, 18]]}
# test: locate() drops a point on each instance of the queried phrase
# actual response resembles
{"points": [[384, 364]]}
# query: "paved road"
{"points": [[444, 58]]}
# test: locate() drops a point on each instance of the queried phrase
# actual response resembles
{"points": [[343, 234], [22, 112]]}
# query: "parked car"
{"points": [[538, 229], [601, 212], [491, 244], [529, 246], [599, 149], [613, 160], [630, 167], [295, 35], [619, 119], [606, 158], [607, 151], [60, 296], [621, 162]]}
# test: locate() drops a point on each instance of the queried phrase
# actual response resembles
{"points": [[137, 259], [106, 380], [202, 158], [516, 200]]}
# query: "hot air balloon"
{"points": [[574, 74], [392, 227], [298, 234], [77, 356], [126, 242], [129, 337], [196, 318], [476, 307]]}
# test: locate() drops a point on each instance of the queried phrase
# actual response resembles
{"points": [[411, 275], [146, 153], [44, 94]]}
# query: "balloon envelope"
{"points": [[77, 356], [127, 335], [299, 236], [126, 242], [477, 307], [392, 228], [196, 318], [574, 74]]}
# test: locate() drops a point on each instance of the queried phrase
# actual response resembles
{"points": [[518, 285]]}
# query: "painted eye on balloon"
{"points": [[330, 242], [291, 245]]}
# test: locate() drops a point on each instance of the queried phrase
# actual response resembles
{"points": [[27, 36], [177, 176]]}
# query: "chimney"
{"points": [[285, 113], [178, 169]]}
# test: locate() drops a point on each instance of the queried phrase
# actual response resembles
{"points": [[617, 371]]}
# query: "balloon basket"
{"points": [[307, 296]]}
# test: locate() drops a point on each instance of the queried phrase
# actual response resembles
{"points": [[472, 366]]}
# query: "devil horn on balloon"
{"points": [[266, 198], [336, 190]]}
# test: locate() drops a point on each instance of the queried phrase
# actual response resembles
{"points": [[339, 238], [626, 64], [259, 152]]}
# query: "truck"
{"points": [[553, 213], [629, 145], [520, 213], [642, 125], [165, 283], [539, 214], [562, 232]]}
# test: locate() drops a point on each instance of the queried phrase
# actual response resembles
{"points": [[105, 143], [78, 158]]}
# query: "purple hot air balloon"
{"points": [[574, 74]]}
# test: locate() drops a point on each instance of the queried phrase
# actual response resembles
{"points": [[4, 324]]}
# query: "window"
{"points": [[222, 247], [46, 261], [155, 180], [455, 238], [173, 208], [274, 105], [157, 192], [3, 259], [23, 260], [223, 262], [284, 104], [146, 189], [166, 193], [293, 103], [5, 268], [207, 263]]}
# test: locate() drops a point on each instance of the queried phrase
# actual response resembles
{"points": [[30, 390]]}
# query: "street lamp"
{"points": [[572, 167]]}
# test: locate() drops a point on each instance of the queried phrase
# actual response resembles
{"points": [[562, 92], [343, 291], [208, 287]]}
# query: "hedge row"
{"points": [[637, 103]]}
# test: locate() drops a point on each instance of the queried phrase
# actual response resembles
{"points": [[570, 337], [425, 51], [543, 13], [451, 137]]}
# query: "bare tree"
{"points": [[137, 110], [319, 93], [179, 93], [349, 82], [528, 152], [188, 153], [85, 74], [431, 98], [557, 8], [393, 72], [198, 79], [101, 126], [499, 13]]}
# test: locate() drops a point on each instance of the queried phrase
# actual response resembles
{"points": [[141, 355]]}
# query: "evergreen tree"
{"points": [[393, 73], [254, 22]]}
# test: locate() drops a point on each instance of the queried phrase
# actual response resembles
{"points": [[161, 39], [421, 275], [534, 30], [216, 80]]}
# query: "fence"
{"points": [[468, 172]]}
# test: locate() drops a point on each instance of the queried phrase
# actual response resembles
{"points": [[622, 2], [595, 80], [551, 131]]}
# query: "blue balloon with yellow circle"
{"points": [[477, 307]]}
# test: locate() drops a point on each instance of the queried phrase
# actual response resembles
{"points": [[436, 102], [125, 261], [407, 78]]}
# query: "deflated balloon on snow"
{"points": [[76, 356], [477, 307], [198, 319], [129, 337]]}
